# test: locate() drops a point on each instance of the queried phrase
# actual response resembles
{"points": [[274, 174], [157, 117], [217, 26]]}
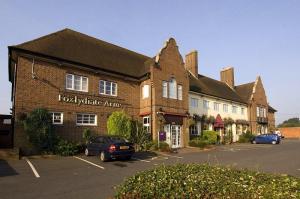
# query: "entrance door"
{"points": [[176, 136]]}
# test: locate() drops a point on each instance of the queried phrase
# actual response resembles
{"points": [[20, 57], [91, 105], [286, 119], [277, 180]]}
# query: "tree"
{"points": [[292, 122], [38, 126], [119, 124]]}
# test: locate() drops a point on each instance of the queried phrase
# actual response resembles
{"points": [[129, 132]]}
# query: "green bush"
{"points": [[66, 148], [163, 146], [87, 135], [205, 181], [139, 136], [210, 136], [38, 126], [201, 143], [119, 124], [246, 137]]}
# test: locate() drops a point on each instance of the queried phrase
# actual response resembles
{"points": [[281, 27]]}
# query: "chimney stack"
{"points": [[227, 76], [191, 62]]}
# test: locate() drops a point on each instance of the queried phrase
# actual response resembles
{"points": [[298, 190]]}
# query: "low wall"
{"points": [[290, 132]]}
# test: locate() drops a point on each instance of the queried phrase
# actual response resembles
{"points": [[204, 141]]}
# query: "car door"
{"points": [[259, 139], [96, 145]]}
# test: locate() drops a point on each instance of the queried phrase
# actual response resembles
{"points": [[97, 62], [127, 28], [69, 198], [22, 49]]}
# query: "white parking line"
{"points": [[32, 167], [96, 165], [140, 160], [174, 156]]}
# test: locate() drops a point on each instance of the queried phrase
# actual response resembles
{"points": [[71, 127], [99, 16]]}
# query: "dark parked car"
{"points": [[266, 139], [109, 147]]}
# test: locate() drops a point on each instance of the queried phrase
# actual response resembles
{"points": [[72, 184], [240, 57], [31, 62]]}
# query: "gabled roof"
{"points": [[245, 90], [213, 87], [73, 46], [271, 109]]}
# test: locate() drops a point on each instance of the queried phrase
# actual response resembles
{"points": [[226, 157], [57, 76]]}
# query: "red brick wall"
{"points": [[50, 82], [259, 99], [290, 132]]}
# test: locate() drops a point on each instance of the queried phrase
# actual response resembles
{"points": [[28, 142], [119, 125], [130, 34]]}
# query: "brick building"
{"points": [[81, 80]]}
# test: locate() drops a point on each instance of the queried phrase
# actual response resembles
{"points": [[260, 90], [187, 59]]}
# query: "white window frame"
{"points": [[146, 91], [257, 111], [86, 124], [194, 102], [205, 104], [173, 88], [73, 82], [234, 109], [165, 89], [179, 91], [146, 125], [61, 118], [225, 108], [242, 111], [216, 106], [111, 86], [193, 129]]}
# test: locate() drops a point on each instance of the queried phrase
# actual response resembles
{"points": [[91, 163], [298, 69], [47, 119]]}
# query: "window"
{"points": [[234, 109], [165, 89], [145, 91], [194, 130], [172, 89], [194, 102], [225, 108], [146, 123], [265, 112], [179, 89], [7, 121], [76, 83], [57, 117], [108, 88], [206, 104], [242, 111], [216, 106], [86, 119], [257, 111]]}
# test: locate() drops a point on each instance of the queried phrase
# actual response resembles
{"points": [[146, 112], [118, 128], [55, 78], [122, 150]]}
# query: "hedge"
{"points": [[210, 136], [201, 143], [205, 181]]}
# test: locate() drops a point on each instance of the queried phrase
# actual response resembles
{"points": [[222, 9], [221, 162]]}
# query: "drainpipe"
{"points": [[32, 70]]}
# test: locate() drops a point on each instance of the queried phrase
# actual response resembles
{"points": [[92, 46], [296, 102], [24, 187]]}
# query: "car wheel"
{"points": [[103, 156], [86, 152], [253, 142], [273, 142]]}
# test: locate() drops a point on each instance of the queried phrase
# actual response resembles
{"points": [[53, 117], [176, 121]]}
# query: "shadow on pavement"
{"points": [[6, 169], [145, 154]]}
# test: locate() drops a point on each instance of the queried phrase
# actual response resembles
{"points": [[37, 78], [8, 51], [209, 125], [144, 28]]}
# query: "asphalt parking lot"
{"points": [[88, 177]]}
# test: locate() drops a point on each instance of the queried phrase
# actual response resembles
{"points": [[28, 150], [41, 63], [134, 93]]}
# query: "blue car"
{"points": [[109, 147], [266, 139]]}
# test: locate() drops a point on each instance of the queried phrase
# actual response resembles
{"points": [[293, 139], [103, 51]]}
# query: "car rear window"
{"points": [[116, 139]]}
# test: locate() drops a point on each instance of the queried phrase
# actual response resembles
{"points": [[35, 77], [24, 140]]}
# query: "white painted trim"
{"points": [[32, 168], [91, 163]]}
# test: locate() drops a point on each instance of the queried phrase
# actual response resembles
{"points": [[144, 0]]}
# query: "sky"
{"points": [[256, 37]]}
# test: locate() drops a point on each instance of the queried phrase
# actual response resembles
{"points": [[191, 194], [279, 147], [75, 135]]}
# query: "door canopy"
{"points": [[219, 122]]}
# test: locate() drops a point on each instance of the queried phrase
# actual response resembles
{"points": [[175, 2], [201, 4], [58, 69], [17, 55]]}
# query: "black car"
{"points": [[109, 147]]}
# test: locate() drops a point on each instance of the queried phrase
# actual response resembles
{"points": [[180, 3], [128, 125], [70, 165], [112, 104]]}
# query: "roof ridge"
{"points": [[245, 84], [40, 38], [81, 34]]}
